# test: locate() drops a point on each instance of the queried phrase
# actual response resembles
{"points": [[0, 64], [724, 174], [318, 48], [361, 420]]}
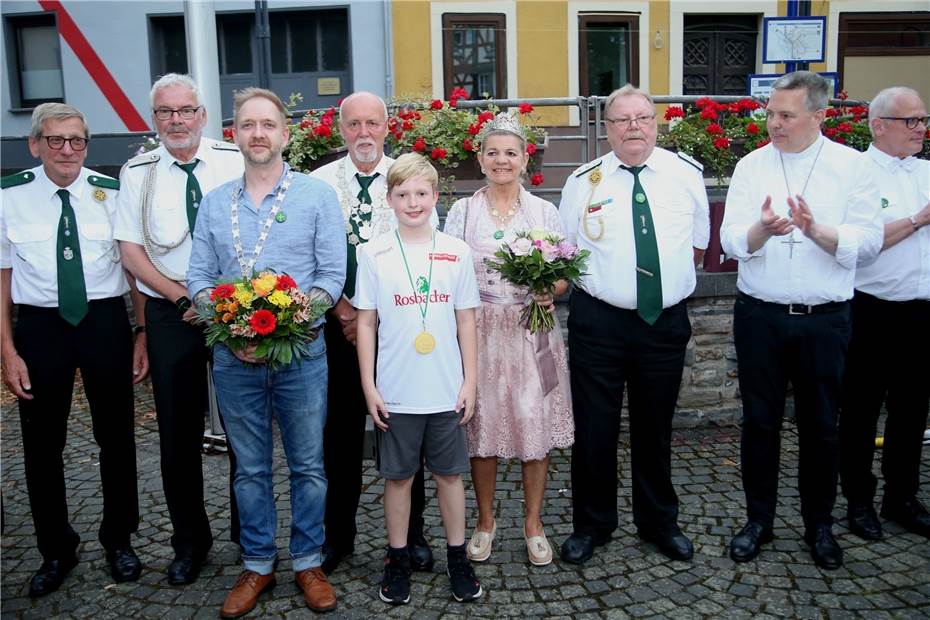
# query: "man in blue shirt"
{"points": [[272, 218]]}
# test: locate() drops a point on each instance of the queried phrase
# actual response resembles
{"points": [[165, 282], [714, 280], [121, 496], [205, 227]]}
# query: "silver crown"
{"points": [[502, 122]]}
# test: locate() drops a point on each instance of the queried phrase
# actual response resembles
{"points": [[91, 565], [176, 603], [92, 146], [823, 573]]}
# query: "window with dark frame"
{"points": [[474, 54], [35, 61], [168, 44], [309, 41], [608, 52]]}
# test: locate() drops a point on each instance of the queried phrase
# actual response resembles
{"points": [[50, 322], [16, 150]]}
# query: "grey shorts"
{"points": [[437, 436]]}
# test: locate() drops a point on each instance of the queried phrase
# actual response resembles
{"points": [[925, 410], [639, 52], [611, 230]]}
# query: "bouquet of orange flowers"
{"points": [[267, 310]]}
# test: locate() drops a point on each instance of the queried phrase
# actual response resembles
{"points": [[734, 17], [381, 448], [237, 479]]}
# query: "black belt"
{"points": [[795, 309]]}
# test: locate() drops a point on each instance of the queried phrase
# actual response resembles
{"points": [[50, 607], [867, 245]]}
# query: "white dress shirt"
{"points": [[29, 217], [791, 268], [601, 221], [902, 272], [219, 162]]}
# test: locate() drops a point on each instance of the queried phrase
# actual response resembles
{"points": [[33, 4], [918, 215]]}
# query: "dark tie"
{"points": [[72, 293], [356, 219], [192, 192], [648, 275]]}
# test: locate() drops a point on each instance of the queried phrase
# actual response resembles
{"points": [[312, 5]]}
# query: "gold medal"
{"points": [[595, 177], [99, 195], [424, 343]]}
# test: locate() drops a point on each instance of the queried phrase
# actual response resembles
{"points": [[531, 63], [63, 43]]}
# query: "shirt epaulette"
{"points": [[20, 178], [690, 160], [98, 180], [225, 146], [589, 169], [143, 159]]}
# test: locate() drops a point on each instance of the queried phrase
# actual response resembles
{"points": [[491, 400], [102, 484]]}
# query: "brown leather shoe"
{"points": [[242, 598], [318, 593]]}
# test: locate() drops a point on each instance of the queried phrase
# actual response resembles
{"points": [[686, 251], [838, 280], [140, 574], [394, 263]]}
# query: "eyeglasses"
{"points": [[625, 123], [58, 143], [909, 122], [166, 114]]}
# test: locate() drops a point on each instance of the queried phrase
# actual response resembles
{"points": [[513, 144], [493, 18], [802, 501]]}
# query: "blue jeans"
{"points": [[249, 396]]}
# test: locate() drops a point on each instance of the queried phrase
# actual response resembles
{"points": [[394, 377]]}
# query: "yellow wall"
{"points": [[821, 8], [412, 66], [658, 59], [542, 55]]}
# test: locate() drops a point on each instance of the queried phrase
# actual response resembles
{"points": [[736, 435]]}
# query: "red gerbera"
{"points": [[263, 322], [222, 291], [285, 282]]}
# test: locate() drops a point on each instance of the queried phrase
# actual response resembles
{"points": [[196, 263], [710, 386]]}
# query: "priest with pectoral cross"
{"points": [[642, 213], [801, 213]]}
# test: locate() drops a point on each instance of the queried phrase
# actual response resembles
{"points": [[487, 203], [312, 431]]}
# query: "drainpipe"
{"points": [[263, 36], [388, 51], [200, 26]]}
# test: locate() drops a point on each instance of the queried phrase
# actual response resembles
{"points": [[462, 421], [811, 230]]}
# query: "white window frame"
{"points": [[859, 6]]}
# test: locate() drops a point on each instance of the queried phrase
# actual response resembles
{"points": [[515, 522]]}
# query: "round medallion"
{"points": [[424, 343], [640, 198], [281, 217], [498, 234], [99, 195]]}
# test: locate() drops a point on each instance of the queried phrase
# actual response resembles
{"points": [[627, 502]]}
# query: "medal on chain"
{"points": [[425, 342]]}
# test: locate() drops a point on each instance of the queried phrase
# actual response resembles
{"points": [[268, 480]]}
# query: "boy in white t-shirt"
{"points": [[416, 294]]}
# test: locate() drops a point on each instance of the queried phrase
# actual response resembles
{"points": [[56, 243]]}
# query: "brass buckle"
{"points": [[803, 310]]}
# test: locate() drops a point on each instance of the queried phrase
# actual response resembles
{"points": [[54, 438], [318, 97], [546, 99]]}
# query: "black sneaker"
{"points": [[465, 586], [395, 585]]}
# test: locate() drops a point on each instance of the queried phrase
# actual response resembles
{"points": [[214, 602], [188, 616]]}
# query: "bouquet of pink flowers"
{"points": [[538, 259]]}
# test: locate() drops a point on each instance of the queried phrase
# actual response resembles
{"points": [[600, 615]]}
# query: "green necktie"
{"points": [[192, 192], [648, 274], [356, 218], [72, 293]]}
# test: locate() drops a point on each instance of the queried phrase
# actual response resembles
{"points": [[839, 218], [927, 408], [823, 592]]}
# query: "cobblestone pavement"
{"points": [[626, 579]]}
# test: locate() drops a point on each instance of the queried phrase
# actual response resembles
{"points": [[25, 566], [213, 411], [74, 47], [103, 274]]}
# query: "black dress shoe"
{"points": [[863, 522], [421, 556], [51, 575], [671, 542], [124, 564], [185, 568], [333, 556], [910, 514], [748, 542], [579, 548], [824, 548]]}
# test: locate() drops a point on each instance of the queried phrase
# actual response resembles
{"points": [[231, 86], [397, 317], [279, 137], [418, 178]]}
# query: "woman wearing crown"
{"points": [[523, 408]]}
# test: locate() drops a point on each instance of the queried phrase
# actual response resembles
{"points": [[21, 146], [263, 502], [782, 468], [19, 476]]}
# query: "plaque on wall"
{"points": [[328, 86]]}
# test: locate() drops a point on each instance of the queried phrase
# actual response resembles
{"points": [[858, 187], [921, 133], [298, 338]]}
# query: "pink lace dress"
{"points": [[514, 417]]}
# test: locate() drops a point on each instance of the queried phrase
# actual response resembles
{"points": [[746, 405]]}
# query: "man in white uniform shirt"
{"points": [[642, 212], [60, 264], [800, 213], [360, 181], [890, 311], [157, 212]]}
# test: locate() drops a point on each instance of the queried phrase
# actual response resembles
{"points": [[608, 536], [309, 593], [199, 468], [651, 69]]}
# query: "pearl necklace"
{"points": [[504, 219]]}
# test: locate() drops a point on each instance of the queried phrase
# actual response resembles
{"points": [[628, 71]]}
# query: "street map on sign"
{"points": [[794, 41]]}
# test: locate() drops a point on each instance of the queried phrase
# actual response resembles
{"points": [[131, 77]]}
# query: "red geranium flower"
{"points": [[398, 135], [474, 128], [458, 93], [830, 131], [762, 143], [831, 112], [222, 291], [420, 144], [306, 124], [537, 179], [722, 143], [839, 139], [263, 322], [435, 104], [674, 112], [709, 114], [485, 116], [748, 104], [525, 108], [714, 129], [530, 148], [752, 129], [323, 130], [285, 282], [228, 134], [845, 127], [467, 145], [407, 125], [703, 102], [438, 153]]}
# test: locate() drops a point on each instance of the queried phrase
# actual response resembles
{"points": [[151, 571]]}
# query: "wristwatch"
{"points": [[183, 304], [913, 219]]}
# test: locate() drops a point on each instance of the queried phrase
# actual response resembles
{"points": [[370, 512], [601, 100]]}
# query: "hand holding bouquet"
{"points": [[268, 311], [538, 259]]}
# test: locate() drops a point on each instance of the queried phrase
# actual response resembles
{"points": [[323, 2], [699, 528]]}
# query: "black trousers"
{"points": [[887, 336], [773, 348], [101, 347], [611, 350], [178, 365], [343, 439]]}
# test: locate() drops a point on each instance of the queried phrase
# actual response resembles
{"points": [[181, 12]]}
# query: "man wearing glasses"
{"points": [[892, 291], [801, 213], [157, 214], [360, 181], [60, 264], [643, 214]]}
